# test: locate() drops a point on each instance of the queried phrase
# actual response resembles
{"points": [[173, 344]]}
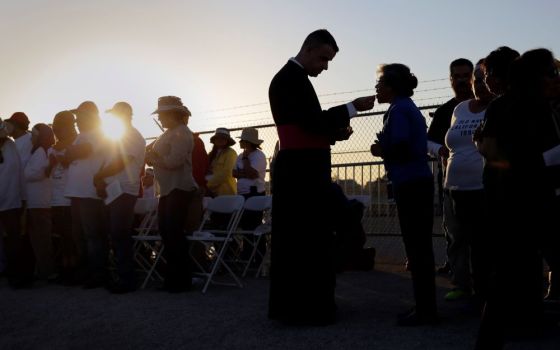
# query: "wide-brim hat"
{"points": [[223, 132], [171, 103], [251, 135]]}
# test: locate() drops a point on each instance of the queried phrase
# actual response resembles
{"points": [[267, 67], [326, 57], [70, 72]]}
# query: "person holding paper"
{"points": [[171, 157], [84, 158], [122, 175]]}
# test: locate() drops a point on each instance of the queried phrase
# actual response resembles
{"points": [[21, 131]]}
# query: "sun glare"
{"points": [[113, 128]]}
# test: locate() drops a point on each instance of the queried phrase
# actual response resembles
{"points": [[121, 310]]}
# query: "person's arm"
{"points": [[394, 143], [222, 169], [177, 155]]}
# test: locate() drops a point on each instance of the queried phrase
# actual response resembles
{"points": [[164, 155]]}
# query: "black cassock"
{"points": [[302, 278]]}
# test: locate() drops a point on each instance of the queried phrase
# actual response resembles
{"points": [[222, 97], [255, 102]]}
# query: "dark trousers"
{"points": [[121, 217], [20, 260], [93, 219], [172, 213], [415, 207], [67, 257]]}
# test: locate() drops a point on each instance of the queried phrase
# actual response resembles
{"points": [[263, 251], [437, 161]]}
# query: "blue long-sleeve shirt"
{"points": [[403, 141]]}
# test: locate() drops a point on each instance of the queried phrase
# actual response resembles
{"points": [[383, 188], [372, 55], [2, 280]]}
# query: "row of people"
{"points": [[55, 181]]}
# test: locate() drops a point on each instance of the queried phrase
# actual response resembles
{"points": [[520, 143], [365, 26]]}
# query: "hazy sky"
{"points": [[222, 54]]}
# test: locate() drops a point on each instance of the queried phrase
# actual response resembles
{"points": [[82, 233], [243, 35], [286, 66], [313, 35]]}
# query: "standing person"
{"points": [[85, 157], [302, 280], [18, 270], [402, 144], [125, 167], [171, 157], [21, 135], [38, 189], [527, 131], [460, 76], [65, 132], [200, 169], [465, 207], [222, 159], [250, 170]]}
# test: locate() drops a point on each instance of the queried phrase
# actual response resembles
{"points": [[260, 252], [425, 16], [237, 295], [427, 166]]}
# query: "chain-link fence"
{"points": [[359, 173]]}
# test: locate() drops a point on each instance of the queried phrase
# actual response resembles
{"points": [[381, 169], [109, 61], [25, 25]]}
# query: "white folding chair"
{"points": [[252, 238], [217, 241], [148, 246]]}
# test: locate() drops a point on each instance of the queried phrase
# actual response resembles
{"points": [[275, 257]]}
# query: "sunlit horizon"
{"points": [[220, 56]]}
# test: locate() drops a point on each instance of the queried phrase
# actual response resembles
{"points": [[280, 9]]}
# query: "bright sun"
{"points": [[113, 127]]}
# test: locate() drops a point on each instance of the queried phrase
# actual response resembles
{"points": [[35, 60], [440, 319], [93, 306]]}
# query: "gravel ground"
{"points": [[56, 317]]}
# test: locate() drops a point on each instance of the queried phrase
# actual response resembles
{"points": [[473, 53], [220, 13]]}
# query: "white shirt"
{"points": [[24, 147], [37, 183], [258, 162], [59, 177], [465, 164], [11, 175], [81, 171], [132, 145]]}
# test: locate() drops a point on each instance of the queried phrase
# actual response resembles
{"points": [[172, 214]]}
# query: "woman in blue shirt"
{"points": [[402, 144]]}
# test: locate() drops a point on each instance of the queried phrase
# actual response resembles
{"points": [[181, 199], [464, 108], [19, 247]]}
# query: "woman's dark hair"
{"points": [[45, 138], [398, 77], [498, 62], [527, 73]]}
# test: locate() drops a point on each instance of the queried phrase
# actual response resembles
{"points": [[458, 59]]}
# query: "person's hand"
{"points": [[345, 133], [376, 150], [100, 186], [62, 159], [364, 103], [443, 152]]}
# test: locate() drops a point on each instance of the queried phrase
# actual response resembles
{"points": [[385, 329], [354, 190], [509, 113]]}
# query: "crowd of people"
{"points": [[60, 217], [498, 141]]}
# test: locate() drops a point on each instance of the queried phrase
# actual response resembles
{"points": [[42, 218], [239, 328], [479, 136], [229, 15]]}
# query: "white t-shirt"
{"points": [[258, 162], [132, 144], [24, 147], [465, 164], [37, 183], [81, 171], [11, 175], [59, 177]]}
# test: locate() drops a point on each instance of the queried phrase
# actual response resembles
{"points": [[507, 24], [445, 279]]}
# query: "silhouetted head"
{"points": [[42, 136], [534, 76], [87, 116], [496, 69], [460, 75], [64, 126], [394, 80], [318, 49]]}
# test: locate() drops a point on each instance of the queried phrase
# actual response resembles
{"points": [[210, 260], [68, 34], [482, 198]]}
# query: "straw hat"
{"points": [[223, 132], [171, 103], [250, 135]]}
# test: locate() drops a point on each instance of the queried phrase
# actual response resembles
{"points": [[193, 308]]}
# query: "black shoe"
{"points": [[414, 319]]}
